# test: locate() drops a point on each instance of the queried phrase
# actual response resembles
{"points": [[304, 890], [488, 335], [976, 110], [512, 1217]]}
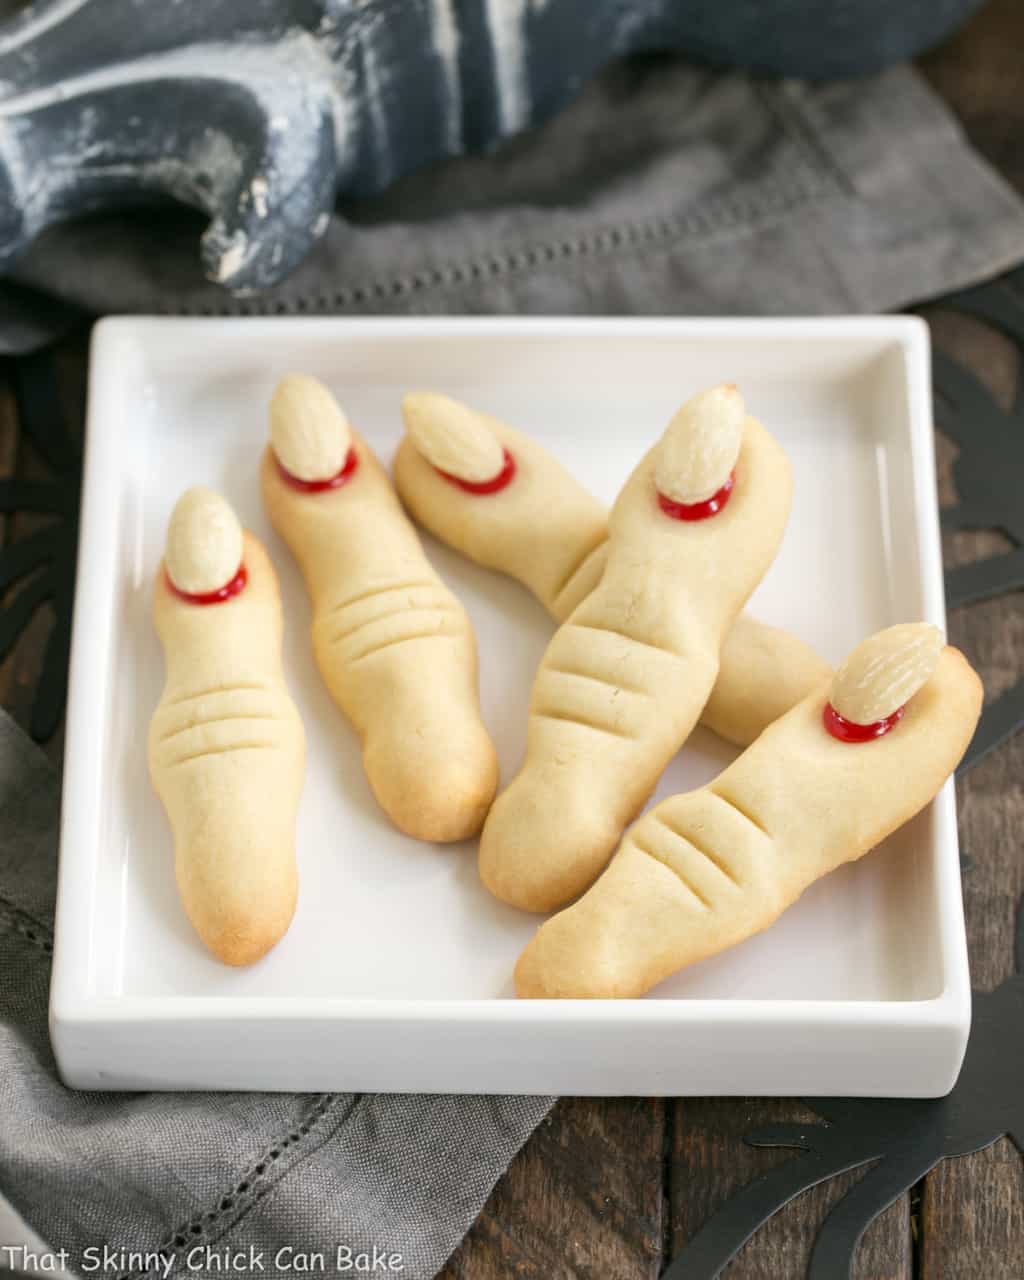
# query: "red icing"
{"points": [[320, 486], [698, 510], [849, 731], [503, 478], [223, 593]]}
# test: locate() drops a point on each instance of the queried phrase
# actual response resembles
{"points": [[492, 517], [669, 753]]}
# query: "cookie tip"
{"points": [[885, 671], [309, 432], [204, 544], [452, 437], [701, 444]]}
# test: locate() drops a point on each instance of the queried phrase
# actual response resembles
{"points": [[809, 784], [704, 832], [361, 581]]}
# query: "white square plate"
{"points": [[396, 972]]}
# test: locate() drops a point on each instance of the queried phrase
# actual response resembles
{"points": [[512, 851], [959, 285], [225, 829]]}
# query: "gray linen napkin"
{"points": [[664, 189]]}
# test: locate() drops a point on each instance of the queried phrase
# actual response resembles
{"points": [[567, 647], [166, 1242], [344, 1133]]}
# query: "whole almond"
{"points": [[885, 671], [453, 437], [700, 446], [204, 542], [308, 431]]}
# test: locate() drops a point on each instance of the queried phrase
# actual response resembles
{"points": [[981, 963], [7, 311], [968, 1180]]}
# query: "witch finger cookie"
{"points": [[226, 745], [625, 678], [393, 645]]}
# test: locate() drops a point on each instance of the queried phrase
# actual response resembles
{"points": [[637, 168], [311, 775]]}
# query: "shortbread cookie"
{"points": [[393, 644], [226, 746], [703, 871], [544, 529], [625, 678]]}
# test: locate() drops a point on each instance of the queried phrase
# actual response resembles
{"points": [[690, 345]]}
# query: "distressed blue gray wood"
{"points": [[260, 112]]}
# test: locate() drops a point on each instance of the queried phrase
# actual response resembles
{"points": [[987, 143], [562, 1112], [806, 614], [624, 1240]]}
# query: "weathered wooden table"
{"points": [[612, 1188]]}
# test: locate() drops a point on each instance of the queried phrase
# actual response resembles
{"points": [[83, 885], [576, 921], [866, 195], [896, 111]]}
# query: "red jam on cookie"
{"points": [[321, 486], [690, 511], [504, 478], [849, 731], [229, 589]]}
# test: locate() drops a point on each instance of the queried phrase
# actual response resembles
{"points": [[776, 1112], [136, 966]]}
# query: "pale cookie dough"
{"points": [[226, 745], [625, 678], [546, 531], [701, 872], [394, 647]]}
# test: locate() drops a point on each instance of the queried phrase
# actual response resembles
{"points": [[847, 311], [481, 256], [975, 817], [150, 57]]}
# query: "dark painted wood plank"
{"points": [[19, 673], [978, 73], [711, 1162], [972, 1208], [8, 437], [582, 1200], [9, 445]]}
